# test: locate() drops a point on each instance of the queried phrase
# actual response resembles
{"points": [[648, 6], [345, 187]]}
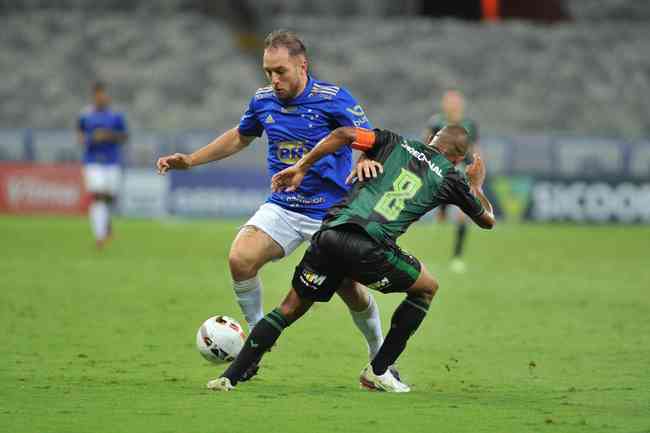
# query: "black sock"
{"points": [[406, 319], [262, 337], [461, 230]]}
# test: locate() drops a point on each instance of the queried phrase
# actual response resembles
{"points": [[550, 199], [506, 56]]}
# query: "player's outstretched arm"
{"points": [[476, 174], [228, 143], [290, 178]]}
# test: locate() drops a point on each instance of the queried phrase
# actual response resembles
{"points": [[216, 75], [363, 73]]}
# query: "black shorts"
{"points": [[348, 252]]}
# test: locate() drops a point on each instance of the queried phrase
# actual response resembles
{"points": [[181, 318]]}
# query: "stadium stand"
{"points": [[184, 70], [599, 10]]}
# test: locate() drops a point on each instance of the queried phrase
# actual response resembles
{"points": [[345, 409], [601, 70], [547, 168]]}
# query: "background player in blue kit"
{"points": [[102, 132], [296, 111]]}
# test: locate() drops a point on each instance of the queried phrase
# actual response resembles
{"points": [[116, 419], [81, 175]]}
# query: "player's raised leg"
{"points": [[251, 249], [262, 337]]}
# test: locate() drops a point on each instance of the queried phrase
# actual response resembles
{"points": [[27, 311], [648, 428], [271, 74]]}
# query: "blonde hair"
{"points": [[287, 39]]}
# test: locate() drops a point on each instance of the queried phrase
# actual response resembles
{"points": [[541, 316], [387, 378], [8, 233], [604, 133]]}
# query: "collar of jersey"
{"points": [[430, 149], [303, 94]]}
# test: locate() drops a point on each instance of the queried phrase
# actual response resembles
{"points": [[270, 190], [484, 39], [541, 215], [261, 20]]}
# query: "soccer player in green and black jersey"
{"points": [[357, 240], [453, 113]]}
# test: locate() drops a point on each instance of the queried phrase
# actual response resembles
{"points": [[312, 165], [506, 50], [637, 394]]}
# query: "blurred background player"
{"points": [[453, 113], [102, 132], [296, 111]]}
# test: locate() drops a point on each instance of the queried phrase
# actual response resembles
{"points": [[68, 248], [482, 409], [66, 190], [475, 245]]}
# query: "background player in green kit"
{"points": [[358, 238], [453, 113]]}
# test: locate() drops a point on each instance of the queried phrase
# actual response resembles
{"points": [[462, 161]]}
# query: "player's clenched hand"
{"points": [[177, 161], [365, 169], [287, 180], [476, 171]]}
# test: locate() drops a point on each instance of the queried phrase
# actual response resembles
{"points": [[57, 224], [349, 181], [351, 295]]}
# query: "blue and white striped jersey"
{"points": [[293, 127]]}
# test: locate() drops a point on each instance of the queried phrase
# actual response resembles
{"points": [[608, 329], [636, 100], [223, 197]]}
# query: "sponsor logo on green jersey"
{"points": [[421, 157]]}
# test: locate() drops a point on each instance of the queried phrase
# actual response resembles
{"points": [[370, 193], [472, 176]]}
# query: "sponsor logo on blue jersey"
{"points": [[290, 152]]}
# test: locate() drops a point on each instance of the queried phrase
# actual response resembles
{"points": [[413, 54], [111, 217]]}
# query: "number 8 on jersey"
{"points": [[392, 203]]}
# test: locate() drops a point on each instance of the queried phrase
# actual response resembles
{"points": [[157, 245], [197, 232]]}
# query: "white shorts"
{"points": [[102, 178], [289, 229]]}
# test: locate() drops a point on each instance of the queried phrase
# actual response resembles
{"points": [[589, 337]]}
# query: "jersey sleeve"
{"points": [[348, 112], [249, 125], [455, 190], [376, 144]]}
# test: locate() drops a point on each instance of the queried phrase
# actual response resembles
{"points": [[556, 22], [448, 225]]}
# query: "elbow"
{"points": [[239, 140], [345, 133]]}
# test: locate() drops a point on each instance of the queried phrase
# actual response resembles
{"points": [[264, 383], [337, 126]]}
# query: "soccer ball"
{"points": [[219, 339]]}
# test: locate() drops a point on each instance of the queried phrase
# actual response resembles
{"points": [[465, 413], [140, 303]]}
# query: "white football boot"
{"points": [[385, 382], [220, 384]]}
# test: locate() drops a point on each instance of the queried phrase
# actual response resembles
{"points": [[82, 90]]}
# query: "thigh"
{"points": [[353, 294], [256, 246], [94, 179], [425, 283], [388, 269], [271, 220], [317, 277], [113, 175]]}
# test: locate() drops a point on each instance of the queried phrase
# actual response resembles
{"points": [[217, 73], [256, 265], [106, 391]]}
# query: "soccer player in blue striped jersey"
{"points": [[295, 111], [102, 132]]}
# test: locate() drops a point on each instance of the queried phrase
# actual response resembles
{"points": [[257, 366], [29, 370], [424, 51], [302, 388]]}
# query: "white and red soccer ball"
{"points": [[220, 338]]}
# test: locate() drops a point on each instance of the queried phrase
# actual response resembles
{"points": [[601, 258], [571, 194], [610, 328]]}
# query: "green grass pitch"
{"points": [[549, 331]]}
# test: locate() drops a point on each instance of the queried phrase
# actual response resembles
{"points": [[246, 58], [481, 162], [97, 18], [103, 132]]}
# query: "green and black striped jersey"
{"points": [[416, 179]]}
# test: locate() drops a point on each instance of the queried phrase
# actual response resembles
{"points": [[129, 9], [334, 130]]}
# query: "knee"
{"points": [[291, 311], [293, 307], [428, 290], [242, 266], [288, 311]]}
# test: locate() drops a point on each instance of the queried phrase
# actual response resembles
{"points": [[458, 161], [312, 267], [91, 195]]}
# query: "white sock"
{"points": [[249, 297], [369, 323], [99, 219]]}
